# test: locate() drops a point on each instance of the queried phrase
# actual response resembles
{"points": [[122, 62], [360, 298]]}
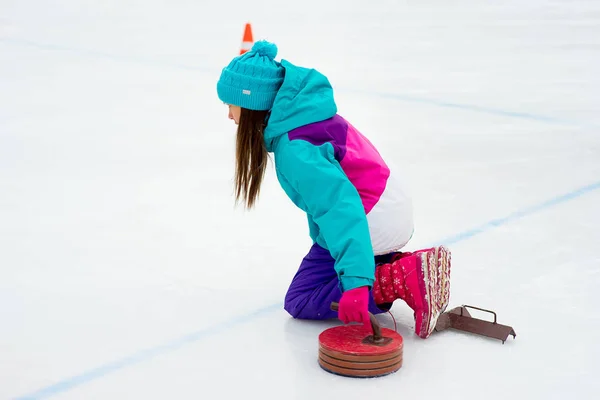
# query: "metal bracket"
{"points": [[460, 319]]}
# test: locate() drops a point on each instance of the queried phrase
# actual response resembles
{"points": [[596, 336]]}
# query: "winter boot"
{"points": [[421, 279]]}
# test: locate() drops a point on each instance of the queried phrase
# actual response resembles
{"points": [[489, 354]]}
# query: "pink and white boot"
{"points": [[422, 280]]}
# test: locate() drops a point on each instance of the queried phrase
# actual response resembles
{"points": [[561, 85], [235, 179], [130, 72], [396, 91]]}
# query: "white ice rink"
{"points": [[126, 272]]}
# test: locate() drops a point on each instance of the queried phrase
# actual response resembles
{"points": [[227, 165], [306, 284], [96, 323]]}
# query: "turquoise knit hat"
{"points": [[252, 80]]}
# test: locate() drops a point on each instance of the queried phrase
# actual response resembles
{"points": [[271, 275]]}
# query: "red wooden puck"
{"points": [[353, 350]]}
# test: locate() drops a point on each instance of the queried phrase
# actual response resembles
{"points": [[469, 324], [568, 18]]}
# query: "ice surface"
{"points": [[127, 273]]}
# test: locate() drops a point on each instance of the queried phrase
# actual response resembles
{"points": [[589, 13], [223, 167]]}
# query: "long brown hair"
{"points": [[251, 156]]}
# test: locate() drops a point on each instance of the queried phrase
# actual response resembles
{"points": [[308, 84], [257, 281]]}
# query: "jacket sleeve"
{"points": [[334, 205]]}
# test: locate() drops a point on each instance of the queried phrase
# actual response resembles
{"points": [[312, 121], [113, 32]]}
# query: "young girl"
{"points": [[359, 215]]}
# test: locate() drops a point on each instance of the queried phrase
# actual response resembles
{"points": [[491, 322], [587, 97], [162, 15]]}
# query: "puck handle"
{"points": [[374, 324]]}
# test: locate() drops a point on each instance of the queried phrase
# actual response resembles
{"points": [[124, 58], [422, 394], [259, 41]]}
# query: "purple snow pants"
{"points": [[316, 285]]}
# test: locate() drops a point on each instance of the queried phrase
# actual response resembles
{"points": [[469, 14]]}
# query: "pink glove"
{"points": [[354, 306]]}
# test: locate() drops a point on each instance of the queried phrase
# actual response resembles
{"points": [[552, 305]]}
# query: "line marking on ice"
{"points": [[147, 354], [469, 107], [372, 93], [102, 55]]}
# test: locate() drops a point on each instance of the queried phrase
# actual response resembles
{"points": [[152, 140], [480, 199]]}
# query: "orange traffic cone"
{"points": [[247, 40]]}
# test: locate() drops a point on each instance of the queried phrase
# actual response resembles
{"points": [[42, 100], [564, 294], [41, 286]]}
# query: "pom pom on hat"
{"points": [[252, 80], [264, 48]]}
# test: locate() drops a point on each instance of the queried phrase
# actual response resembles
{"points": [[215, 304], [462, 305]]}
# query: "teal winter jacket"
{"points": [[308, 138]]}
